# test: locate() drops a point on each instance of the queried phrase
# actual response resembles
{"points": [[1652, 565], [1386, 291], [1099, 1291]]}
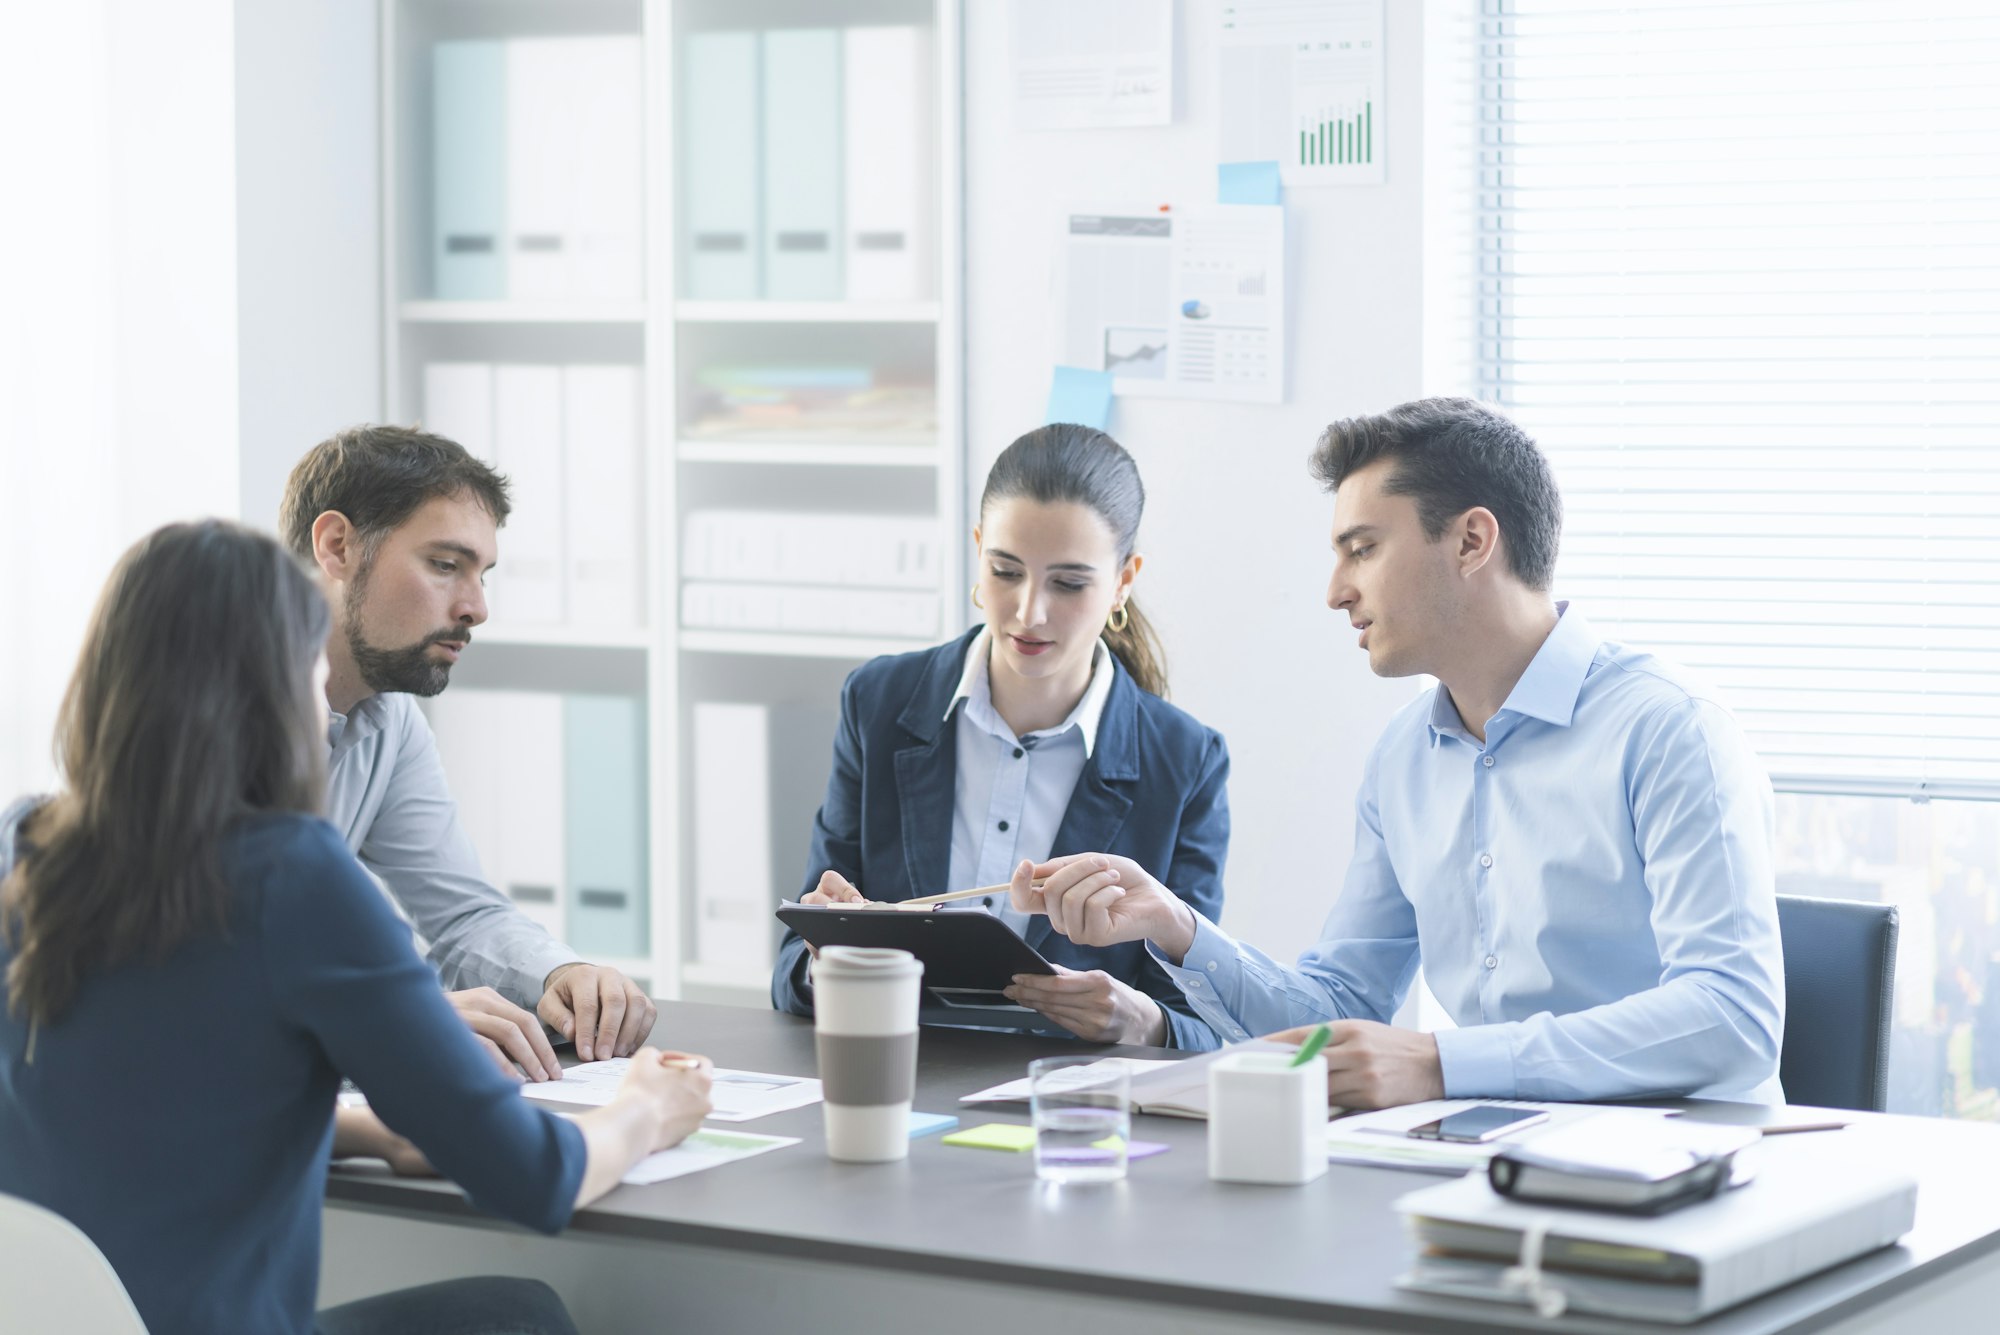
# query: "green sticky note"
{"points": [[995, 1136]]}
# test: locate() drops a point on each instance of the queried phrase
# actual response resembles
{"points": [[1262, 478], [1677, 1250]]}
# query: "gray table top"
{"points": [[1330, 1250]]}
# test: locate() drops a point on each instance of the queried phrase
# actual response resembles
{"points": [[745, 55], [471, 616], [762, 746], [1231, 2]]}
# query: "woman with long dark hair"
{"points": [[1042, 731], [193, 960]]}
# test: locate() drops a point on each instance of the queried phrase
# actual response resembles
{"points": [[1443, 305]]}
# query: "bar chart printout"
{"points": [[1301, 84]]}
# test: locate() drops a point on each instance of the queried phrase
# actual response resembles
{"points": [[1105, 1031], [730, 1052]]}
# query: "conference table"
{"points": [[966, 1240]]}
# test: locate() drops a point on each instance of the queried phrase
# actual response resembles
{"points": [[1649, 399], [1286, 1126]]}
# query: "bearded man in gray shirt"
{"points": [[404, 526]]}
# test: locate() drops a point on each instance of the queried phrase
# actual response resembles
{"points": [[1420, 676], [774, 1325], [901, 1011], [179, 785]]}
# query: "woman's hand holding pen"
{"points": [[659, 1104]]}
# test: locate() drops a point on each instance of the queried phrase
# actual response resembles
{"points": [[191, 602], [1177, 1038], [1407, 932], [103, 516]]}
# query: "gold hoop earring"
{"points": [[975, 599], [1118, 620]]}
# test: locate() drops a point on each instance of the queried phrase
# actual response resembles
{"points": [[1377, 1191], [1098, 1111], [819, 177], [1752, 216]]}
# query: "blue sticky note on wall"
{"points": [[1080, 396], [1247, 183]]}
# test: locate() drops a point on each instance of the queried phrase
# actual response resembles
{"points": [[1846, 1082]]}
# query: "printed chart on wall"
{"points": [[1301, 84], [1182, 303], [1084, 66]]}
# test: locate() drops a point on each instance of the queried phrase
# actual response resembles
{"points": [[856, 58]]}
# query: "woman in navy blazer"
{"points": [[1039, 733]]}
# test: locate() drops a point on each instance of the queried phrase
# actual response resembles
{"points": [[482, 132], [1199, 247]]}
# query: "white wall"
{"points": [[1236, 537], [117, 318]]}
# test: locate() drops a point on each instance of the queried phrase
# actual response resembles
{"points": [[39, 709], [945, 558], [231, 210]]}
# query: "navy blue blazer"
{"points": [[1153, 790]]}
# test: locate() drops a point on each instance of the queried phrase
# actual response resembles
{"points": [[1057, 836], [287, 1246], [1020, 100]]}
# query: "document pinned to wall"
{"points": [[1183, 303], [1301, 82], [1091, 64]]}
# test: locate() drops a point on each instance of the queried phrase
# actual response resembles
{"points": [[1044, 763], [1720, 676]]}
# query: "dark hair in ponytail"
{"points": [[1066, 462]]}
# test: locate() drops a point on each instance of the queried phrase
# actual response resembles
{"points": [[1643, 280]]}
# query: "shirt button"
{"points": [[1485, 859], [988, 901], [1211, 966], [1194, 982], [1492, 961], [1486, 761], [1003, 825], [1018, 753]]}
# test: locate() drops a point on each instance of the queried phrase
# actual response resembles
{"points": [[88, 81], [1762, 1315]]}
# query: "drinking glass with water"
{"points": [[1082, 1112]]}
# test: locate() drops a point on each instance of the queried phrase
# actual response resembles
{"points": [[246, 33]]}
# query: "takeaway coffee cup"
{"points": [[865, 1001]]}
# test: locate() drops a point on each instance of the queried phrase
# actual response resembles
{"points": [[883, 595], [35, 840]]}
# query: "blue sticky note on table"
{"points": [[1080, 396], [923, 1124], [1247, 183]]}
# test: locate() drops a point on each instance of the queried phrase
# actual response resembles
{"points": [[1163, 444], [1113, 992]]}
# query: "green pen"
{"points": [[1314, 1042]]}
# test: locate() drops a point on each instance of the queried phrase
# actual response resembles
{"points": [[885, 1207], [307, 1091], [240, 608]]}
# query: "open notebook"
{"points": [[1163, 1088]]}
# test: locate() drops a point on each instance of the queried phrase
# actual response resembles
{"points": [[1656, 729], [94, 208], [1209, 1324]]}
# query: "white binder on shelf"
{"points": [[809, 610], [864, 551], [606, 184], [887, 85], [458, 405], [604, 494], [721, 240], [468, 170], [735, 891], [526, 587], [605, 812], [502, 758], [803, 165], [540, 143], [759, 775]]}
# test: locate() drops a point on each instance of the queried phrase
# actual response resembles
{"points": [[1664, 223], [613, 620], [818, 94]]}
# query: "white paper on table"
{"points": [[703, 1149], [1091, 65], [1300, 82], [1074, 1077], [738, 1096], [1382, 1140], [1183, 302]]}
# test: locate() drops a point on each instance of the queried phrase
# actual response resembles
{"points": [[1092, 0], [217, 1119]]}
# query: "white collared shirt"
{"points": [[1010, 792]]}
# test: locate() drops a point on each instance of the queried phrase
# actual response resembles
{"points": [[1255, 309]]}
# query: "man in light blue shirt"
{"points": [[1571, 836]]}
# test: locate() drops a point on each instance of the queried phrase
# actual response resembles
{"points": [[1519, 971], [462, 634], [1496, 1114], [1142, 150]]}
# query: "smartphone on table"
{"points": [[1477, 1125]]}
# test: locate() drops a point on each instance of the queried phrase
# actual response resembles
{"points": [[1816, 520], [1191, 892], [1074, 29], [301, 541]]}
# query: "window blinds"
{"points": [[1739, 274]]}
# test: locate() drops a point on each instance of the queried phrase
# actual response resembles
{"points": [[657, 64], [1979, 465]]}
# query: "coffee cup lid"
{"points": [[867, 962]]}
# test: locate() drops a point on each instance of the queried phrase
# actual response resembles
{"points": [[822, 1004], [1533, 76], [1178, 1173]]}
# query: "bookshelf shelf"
{"points": [[856, 647], [522, 312], [828, 454], [807, 312]]}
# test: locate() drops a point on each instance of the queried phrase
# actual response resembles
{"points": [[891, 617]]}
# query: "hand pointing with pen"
{"points": [[1101, 899]]}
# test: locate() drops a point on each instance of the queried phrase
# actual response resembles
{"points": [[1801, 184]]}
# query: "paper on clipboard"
{"points": [[1186, 302]]}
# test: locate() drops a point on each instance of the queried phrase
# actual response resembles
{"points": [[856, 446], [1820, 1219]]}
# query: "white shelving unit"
{"points": [[670, 339]]}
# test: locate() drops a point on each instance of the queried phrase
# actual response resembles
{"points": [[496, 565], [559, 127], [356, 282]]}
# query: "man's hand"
{"points": [[603, 1010], [1100, 899], [513, 1036], [1371, 1065], [1093, 1005]]}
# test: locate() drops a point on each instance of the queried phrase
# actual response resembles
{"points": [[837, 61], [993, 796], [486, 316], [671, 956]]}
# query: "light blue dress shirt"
{"points": [[1590, 892], [1010, 793]]}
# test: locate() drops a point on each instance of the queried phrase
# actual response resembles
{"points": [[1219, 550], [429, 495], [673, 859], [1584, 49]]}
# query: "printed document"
{"points": [[739, 1096], [1090, 64], [1176, 302], [703, 1149], [1300, 84]]}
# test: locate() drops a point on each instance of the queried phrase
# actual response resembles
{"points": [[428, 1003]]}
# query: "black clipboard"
{"points": [[968, 958]]}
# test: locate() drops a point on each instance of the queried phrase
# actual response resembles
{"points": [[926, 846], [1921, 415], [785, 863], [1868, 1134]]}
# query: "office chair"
{"points": [[1840, 978], [52, 1277]]}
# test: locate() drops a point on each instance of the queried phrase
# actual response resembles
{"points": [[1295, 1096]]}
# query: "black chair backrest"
{"points": [[1840, 980]]}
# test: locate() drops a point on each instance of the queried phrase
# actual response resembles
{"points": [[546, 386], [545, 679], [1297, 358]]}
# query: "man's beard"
{"points": [[410, 669]]}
